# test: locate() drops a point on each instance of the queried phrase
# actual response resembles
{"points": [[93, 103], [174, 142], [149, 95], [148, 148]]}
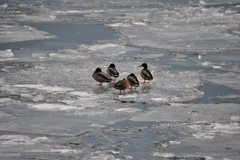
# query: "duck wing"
{"points": [[102, 77], [113, 72], [133, 81], [146, 73]]}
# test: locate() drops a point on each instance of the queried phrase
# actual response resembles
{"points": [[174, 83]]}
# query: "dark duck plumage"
{"points": [[132, 79], [122, 85], [112, 71], [145, 73], [101, 77]]}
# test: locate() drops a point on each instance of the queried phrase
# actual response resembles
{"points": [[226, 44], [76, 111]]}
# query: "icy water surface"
{"points": [[51, 108]]}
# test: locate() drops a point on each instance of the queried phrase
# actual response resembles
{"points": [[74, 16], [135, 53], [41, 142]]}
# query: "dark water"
{"points": [[69, 35]]}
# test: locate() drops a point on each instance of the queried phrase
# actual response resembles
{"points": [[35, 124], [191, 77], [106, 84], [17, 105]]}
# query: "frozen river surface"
{"points": [[51, 108]]}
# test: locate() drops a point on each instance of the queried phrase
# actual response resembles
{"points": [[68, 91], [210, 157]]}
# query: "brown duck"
{"points": [[122, 85]]}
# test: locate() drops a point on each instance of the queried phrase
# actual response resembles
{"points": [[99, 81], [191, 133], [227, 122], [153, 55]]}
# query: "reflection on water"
{"points": [[101, 89], [146, 88]]}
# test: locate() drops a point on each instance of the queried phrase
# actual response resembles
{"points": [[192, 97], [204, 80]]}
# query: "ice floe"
{"points": [[187, 112], [18, 140], [6, 54], [52, 109], [16, 33], [45, 87]]}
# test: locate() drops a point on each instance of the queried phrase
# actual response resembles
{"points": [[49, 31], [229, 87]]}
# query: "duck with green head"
{"points": [[145, 73], [101, 77]]}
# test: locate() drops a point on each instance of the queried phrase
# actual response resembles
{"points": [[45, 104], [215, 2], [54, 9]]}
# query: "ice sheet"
{"points": [[16, 33], [188, 113], [44, 87], [51, 107]]}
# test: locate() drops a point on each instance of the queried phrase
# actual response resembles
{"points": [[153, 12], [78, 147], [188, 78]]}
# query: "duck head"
{"points": [[144, 65]]}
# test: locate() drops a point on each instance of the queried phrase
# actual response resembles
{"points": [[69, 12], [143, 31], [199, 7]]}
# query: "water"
{"points": [[73, 35], [51, 108]]}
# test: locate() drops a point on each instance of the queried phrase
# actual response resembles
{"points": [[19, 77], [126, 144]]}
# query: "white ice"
{"points": [[6, 55], [51, 106], [16, 33]]}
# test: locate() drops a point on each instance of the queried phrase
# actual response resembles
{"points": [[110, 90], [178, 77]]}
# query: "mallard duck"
{"points": [[145, 73], [132, 79], [101, 77], [122, 85], [112, 71]]}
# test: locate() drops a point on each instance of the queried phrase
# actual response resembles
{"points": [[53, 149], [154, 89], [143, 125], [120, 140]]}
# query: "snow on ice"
{"points": [[51, 107]]}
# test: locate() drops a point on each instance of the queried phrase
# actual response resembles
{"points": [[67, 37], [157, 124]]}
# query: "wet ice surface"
{"points": [[51, 107]]}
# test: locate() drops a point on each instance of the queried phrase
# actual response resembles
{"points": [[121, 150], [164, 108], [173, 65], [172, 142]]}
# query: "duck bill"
{"points": [[140, 66]]}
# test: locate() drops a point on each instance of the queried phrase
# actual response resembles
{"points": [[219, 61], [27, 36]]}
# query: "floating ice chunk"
{"points": [[97, 47], [174, 142], [6, 54], [90, 112], [119, 25], [4, 6], [235, 118], [45, 87], [129, 110], [115, 152], [229, 79], [140, 23], [39, 55], [206, 64], [127, 157], [178, 104], [209, 158], [41, 17], [81, 94], [217, 67], [164, 155], [201, 2], [162, 100], [38, 98], [101, 155], [97, 125], [201, 135], [166, 144], [7, 68], [40, 139], [52, 107], [231, 96], [15, 140], [25, 95], [65, 151], [73, 12], [232, 128], [4, 100], [66, 56], [17, 33]]}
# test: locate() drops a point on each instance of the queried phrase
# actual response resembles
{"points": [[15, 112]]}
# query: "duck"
{"points": [[145, 73], [112, 71], [101, 77], [132, 79], [122, 85]]}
